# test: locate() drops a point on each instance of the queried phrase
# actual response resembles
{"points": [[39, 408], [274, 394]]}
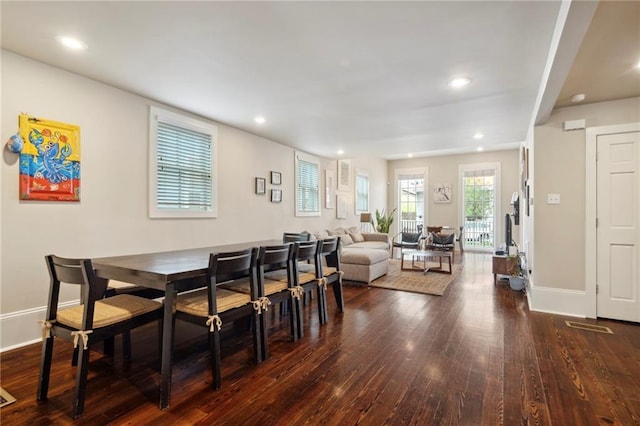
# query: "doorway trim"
{"points": [[591, 206]]}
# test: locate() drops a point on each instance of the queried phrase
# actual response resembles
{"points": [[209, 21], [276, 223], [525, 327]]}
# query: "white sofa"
{"points": [[363, 256]]}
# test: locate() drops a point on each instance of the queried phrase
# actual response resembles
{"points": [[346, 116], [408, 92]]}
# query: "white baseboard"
{"points": [[556, 301], [21, 328]]}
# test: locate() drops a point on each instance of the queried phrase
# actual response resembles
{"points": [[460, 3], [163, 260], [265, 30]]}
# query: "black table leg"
{"points": [[167, 345]]}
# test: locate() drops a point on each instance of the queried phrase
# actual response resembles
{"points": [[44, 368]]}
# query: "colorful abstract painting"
{"points": [[50, 160]]}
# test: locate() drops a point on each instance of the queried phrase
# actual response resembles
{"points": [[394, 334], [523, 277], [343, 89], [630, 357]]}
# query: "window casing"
{"points": [[182, 166], [362, 192], [307, 170]]}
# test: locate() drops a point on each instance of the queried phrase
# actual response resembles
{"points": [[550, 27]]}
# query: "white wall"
{"points": [[112, 216], [444, 169], [559, 168]]}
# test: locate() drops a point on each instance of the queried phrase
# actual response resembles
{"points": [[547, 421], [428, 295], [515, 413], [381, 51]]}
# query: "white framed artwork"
{"points": [[343, 206], [344, 175], [329, 189], [442, 193]]}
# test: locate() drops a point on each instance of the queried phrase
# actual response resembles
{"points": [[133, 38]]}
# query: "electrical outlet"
{"points": [[553, 198]]}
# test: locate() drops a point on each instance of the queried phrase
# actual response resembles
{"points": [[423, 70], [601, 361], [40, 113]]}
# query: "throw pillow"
{"points": [[346, 239], [353, 230], [357, 237], [340, 231], [321, 235]]}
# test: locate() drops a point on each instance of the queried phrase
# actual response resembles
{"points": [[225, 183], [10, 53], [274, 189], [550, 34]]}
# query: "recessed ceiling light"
{"points": [[479, 149], [638, 65], [478, 135], [459, 82], [409, 155], [578, 97], [72, 43], [340, 152], [260, 119]]}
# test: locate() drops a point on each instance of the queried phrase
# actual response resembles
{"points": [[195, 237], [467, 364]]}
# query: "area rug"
{"points": [[415, 281]]}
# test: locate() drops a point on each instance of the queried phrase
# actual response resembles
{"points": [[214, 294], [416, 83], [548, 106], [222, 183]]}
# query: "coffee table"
{"points": [[417, 255]]}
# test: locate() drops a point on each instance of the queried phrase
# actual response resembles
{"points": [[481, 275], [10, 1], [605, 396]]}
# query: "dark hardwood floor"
{"points": [[475, 356]]}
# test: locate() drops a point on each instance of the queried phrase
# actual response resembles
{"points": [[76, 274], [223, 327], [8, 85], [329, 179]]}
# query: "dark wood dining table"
{"points": [[171, 272]]}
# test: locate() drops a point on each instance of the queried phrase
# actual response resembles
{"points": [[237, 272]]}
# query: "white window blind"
{"points": [[183, 166], [307, 185], [362, 192]]}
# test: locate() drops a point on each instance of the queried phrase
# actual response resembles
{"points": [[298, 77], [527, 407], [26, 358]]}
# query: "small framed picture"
{"points": [[276, 178], [442, 193], [261, 184], [276, 195]]}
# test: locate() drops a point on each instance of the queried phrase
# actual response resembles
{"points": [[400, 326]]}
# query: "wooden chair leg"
{"points": [[259, 341], [74, 357], [293, 319], [298, 317], [337, 292], [45, 368], [109, 346], [322, 305], [216, 358], [126, 345], [81, 383]]}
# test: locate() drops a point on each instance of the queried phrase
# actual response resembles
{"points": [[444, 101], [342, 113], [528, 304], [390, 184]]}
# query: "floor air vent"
{"points": [[589, 327], [5, 398]]}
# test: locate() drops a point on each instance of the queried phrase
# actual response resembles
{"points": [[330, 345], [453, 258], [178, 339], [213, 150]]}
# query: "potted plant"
{"points": [[383, 221], [516, 278]]}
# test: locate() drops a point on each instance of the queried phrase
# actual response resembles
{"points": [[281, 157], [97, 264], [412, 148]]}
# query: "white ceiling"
{"points": [[369, 78]]}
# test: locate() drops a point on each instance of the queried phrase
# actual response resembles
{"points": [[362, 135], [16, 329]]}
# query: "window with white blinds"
{"points": [[307, 185], [362, 192], [182, 166]]}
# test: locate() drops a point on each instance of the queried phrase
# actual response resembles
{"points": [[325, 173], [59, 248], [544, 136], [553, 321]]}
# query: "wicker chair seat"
{"points": [[197, 303], [243, 286], [109, 311], [281, 275], [329, 270]]}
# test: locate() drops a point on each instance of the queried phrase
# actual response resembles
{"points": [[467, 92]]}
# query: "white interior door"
{"points": [[618, 231]]}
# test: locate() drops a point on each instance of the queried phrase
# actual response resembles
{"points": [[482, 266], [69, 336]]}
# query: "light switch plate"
{"points": [[553, 198]]}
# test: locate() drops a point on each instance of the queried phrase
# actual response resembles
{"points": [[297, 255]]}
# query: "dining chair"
{"points": [[306, 278], [330, 272], [115, 288], [95, 319], [277, 261], [213, 306]]}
